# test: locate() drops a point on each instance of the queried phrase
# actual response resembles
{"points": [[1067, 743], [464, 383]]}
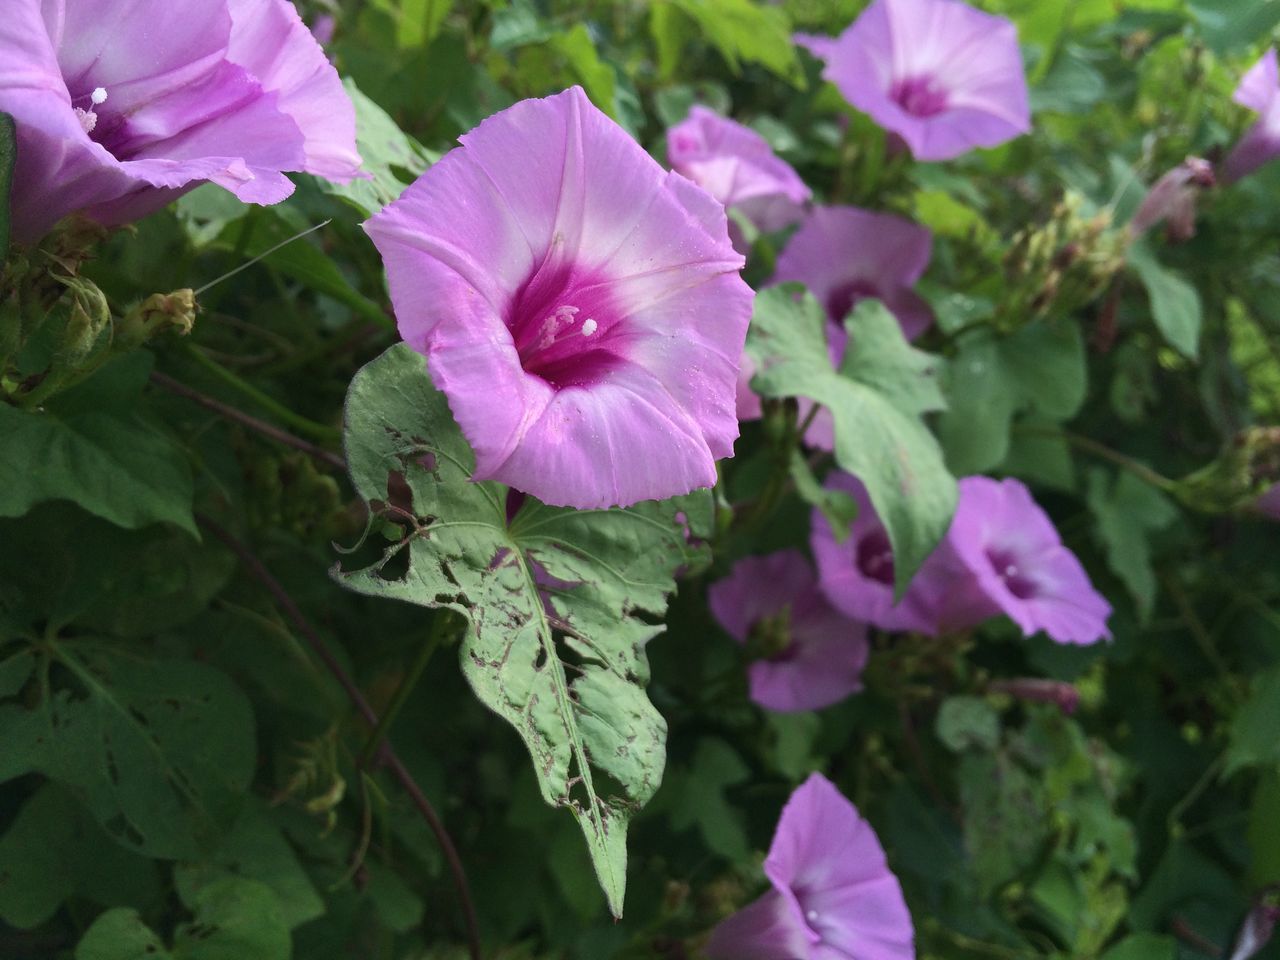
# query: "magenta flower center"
{"points": [[1016, 579], [564, 325], [875, 557], [844, 297], [919, 96]]}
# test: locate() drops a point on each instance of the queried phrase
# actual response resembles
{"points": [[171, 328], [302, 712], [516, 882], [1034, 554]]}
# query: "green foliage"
{"points": [[1175, 305], [876, 398], [8, 158], [95, 446], [742, 32], [551, 590]]}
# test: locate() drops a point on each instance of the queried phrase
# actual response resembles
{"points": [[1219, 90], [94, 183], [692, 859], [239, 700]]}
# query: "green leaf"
{"points": [[697, 799], [417, 21], [1040, 368], [1175, 304], [1253, 731], [120, 934], [1004, 817], [161, 752], [93, 445], [876, 399], [965, 723], [838, 507], [391, 157], [8, 159], [235, 919], [596, 76], [53, 851], [1128, 512], [1263, 831], [1144, 946], [256, 849], [560, 603], [1230, 24], [742, 31]]}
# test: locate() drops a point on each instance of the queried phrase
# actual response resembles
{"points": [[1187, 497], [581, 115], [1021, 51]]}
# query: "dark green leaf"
{"points": [[92, 445], [965, 723], [1255, 732], [120, 934], [1128, 512], [553, 592], [876, 400], [160, 751]]}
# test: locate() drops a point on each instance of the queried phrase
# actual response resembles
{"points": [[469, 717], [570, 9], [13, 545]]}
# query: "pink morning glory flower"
{"points": [[1172, 199], [580, 307], [121, 107], [844, 255], [833, 896], [810, 655], [737, 166], [1017, 565], [941, 75], [1259, 90], [856, 573]]}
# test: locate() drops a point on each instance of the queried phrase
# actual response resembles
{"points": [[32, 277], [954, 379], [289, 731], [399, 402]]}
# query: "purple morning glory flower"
{"points": [[1172, 199], [846, 254], [580, 307], [941, 75], [121, 107], [856, 575], [833, 896], [737, 166], [1017, 566], [1259, 90], [811, 655]]}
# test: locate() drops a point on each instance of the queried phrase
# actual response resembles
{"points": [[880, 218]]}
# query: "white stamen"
{"points": [[99, 95], [812, 916], [588, 327], [1010, 571], [88, 119]]}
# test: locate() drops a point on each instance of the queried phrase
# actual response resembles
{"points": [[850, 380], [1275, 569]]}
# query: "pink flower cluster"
{"points": [[1001, 556]]}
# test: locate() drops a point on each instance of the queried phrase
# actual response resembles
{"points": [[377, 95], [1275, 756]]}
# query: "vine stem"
{"points": [[1139, 470], [253, 423], [317, 431], [387, 754]]}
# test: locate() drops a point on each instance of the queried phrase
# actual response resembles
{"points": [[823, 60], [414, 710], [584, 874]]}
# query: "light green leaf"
{"points": [[838, 507], [698, 799], [965, 723], [120, 934], [1253, 731], [8, 158], [1128, 512], [742, 31], [91, 444], [1175, 304], [876, 400], [560, 603], [1231, 24], [417, 21], [596, 76], [391, 157], [161, 752]]}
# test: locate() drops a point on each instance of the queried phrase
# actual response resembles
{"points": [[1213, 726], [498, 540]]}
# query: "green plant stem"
{"points": [[1197, 629], [402, 694], [1128, 464], [316, 431]]}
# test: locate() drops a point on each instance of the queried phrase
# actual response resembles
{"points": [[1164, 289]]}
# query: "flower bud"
{"points": [[174, 311]]}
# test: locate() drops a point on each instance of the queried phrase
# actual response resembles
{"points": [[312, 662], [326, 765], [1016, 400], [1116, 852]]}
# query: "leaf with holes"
{"points": [[560, 603], [161, 752], [876, 399]]}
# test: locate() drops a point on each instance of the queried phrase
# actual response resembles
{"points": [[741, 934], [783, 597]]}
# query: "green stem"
{"points": [[1128, 464], [317, 431], [406, 688]]}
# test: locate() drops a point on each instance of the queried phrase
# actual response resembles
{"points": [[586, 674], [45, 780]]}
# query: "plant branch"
{"points": [[1139, 470], [388, 757], [317, 431], [253, 423]]}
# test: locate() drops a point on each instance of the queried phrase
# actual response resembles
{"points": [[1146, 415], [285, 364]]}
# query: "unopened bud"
{"points": [[1243, 476], [157, 314]]}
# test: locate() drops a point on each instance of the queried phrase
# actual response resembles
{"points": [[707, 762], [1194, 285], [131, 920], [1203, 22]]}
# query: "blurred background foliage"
{"points": [[190, 780]]}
